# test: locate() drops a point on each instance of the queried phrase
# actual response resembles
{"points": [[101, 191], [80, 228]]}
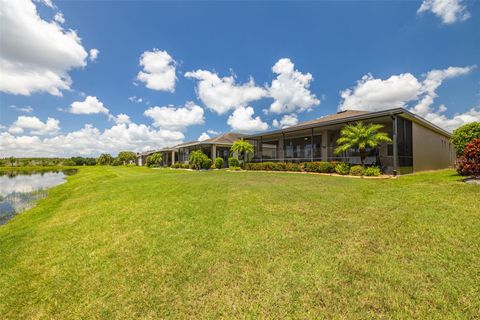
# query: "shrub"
{"points": [[290, 166], [357, 171], [185, 166], [198, 160], [233, 162], [322, 167], [154, 159], [342, 168], [465, 134], [469, 163], [372, 171], [207, 163], [116, 162], [219, 163]]}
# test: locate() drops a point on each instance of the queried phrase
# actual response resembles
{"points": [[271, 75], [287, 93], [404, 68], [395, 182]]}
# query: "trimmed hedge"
{"points": [[233, 162], [319, 167], [218, 163], [357, 171]]}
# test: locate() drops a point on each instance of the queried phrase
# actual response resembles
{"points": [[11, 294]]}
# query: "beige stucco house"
{"points": [[417, 144]]}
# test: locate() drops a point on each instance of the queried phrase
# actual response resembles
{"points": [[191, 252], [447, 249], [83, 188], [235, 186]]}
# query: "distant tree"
{"points": [[127, 157], [105, 159], [154, 160], [463, 135], [243, 148], [360, 136], [12, 161]]}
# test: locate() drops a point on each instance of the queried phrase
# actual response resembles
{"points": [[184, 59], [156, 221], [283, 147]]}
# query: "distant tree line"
{"points": [[123, 158]]}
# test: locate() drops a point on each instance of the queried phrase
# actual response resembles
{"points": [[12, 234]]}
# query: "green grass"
{"points": [[143, 243]]}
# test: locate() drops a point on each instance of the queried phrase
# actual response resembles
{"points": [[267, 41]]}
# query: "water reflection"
{"points": [[19, 190]]}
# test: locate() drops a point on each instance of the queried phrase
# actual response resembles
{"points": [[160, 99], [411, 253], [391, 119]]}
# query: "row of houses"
{"points": [[417, 144]]}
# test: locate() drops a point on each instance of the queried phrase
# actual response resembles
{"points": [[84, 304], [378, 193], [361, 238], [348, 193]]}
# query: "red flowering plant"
{"points": [[469, 162]]}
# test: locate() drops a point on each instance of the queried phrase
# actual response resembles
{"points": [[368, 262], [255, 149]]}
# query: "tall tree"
{"points": [[126, 157], [242, 147], [105, 159], [360, 136]]}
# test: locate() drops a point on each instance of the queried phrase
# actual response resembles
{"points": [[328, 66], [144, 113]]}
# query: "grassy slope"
{"points": [[136, 242]]}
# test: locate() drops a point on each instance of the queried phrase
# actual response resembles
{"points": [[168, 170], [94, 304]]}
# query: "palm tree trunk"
{"points": [[362, 156]]}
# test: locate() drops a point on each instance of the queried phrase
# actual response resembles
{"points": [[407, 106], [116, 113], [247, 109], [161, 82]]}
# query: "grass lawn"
{"points": [[141, 243]]}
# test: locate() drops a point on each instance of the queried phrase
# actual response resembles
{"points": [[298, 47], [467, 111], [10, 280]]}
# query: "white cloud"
{"points": [[210, 131], [176, 118], [203, 136], [242, 120], [121, 118], [36, 55], [135, 99], [88, 106], [432, 81], [93, 54], [290, 89], [223, 94], [437, 117], [377, 94], [287, 120], [26, 109], [158, 70], [90, 141], [34, 125], [449, 11], [59, 17], [406, 90]]}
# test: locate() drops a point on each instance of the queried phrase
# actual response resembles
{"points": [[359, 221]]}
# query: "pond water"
{"points": [[20, 190]]}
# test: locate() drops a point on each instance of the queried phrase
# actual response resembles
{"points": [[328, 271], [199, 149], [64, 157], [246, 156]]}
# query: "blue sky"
{"points": [[426, 60]]}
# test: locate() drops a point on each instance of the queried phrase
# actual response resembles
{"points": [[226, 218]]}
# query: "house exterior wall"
{"points": [[431, 150]]}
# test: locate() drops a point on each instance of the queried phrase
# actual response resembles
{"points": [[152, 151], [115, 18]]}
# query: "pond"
{"points": [[20, 190]]}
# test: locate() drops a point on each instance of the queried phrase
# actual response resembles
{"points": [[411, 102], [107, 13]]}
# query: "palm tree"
{"points": [[360, 136], [242, 147]]}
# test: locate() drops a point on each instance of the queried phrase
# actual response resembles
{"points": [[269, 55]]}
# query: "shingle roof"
{"points": [[337, 116], [228, 138]]}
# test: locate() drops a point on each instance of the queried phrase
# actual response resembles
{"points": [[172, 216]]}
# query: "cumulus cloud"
{"points": [[36, 55], [406, 91], [291, 89], [89, 106], [377, 94], [287, 120], [34, 125], [224, 94], [158, 70], [210, 131], [203, 136], [93, 54], [449, 11], [242, 120], [173, 118], [89, 141], [59, 17], [26, 109], [121, 118]]}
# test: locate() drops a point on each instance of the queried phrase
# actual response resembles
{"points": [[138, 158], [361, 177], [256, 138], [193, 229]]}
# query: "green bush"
{"points": [[290, 166], [207, 163], [154, 159], [219, 163], [198, 160], [465, 134], [372, 171], [342, 168], [322, 167], [116, 162], [357, 171], [233, 162]]}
